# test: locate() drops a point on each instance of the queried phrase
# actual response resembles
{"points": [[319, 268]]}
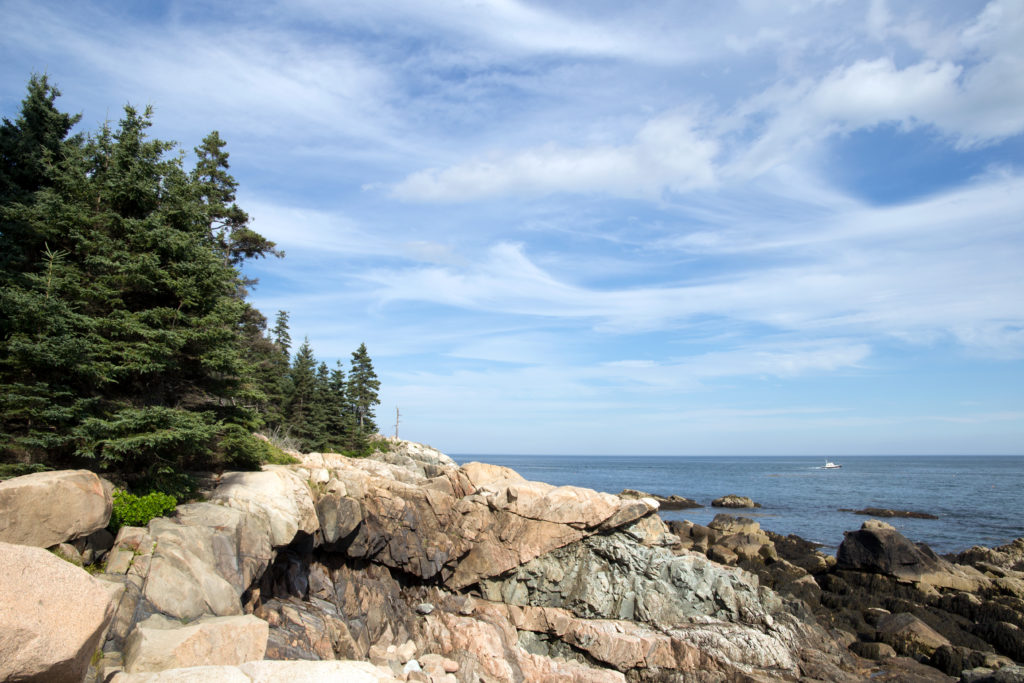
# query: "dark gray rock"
{"points": [[878, 547], [887, 513], [672, 502]]}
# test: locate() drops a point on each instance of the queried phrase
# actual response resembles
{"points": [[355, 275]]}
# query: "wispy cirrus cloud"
{"points": [[874, 271], [968, 94], [543, 218], [244, 77]]}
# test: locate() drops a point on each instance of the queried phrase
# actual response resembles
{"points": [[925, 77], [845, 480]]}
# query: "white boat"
{"points": [[829, 465]]}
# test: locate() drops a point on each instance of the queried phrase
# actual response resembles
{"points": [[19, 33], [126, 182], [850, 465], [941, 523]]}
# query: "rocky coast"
{"points": [[408, 567]]}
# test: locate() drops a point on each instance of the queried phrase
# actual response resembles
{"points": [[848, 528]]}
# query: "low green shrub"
{"points": [[244, 450], [240, 450], [132, 510], [165, 479], [276, 456]]}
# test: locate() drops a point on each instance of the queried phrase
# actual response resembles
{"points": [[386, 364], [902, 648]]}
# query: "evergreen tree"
{"points": [[271, 368], [363, 386], [300, 409], [37, 139], [126, 343], [281, 337], [340, 419], [33, 141], [318, 414], [266, 370], [227, 224], [122, 338]]}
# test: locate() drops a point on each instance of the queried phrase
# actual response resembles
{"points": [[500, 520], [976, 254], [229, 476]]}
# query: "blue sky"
{"points": [[746, 227]]}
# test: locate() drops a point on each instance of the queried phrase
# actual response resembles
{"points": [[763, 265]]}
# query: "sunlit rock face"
{"points": [[415, 568]]}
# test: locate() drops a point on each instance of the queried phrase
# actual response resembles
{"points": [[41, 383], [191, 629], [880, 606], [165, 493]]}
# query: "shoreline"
{"points": [[424, 570], [805, 501]]}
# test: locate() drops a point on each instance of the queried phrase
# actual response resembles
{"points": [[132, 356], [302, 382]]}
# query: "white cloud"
{"points": [[259, 81], [731, 273], [943, 266], [789, 359], [666, 154], [972, 93], [497, 30], [871, 92]]}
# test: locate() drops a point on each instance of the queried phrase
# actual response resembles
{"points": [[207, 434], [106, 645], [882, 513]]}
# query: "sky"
{"points": [[594, 227]]}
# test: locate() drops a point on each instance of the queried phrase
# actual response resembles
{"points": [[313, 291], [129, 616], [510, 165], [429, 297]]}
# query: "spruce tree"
{"points": [[280, 333], [318, 414], [33, 141], [340, 418], [275, 375], [300, 408], [363, 386], [121, 346], [227, 224]]}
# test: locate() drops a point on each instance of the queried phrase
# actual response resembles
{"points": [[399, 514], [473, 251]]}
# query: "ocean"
{"points": [[979, 500]]}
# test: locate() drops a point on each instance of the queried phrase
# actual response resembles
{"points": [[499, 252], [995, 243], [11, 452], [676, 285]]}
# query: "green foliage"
{"points": [[241, 450], [363, 386], [282, 338], [17, 469], [139, 439], [366, 448], [339, 419], [324, 411], [276, 456], [125, 341], [132, 510], [227, 223], [28, 146], [167, 480]]}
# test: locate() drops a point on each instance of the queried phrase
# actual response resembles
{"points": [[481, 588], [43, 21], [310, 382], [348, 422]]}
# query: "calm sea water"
{"points": [[979, 499]]}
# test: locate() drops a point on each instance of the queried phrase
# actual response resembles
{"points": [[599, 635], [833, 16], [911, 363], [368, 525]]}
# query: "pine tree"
{"points": [[227, 224], [363, 386], [33, 141], [269, 385], [318, 414], [340, 419], [29, 145], [299, 412], [281, 337], [266, 368], [121, 346]]}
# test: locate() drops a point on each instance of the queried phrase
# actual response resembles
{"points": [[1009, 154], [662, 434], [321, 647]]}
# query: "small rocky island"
{"points": [[671, 502], [734, 501], [887, 513], [406, 567]]}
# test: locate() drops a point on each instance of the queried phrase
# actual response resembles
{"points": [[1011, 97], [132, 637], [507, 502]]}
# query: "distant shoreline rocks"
{"points": [[886, 512], [672, 502], [734, 501]]}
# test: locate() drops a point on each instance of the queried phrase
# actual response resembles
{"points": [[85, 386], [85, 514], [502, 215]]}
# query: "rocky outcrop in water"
{"points": [[672, 502], [734, 501], [888, 513]]}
